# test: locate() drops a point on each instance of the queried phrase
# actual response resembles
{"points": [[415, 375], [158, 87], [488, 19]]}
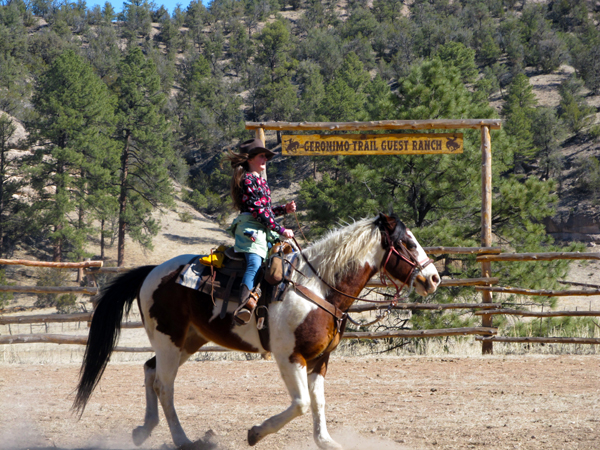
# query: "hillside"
{"points": [[210, 69]]}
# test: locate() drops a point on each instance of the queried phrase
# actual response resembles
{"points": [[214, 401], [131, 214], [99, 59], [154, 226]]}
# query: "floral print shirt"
{"points": [[256, 199]]}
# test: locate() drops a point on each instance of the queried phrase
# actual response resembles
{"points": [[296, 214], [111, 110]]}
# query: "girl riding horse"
{"points": [[255, 227]]}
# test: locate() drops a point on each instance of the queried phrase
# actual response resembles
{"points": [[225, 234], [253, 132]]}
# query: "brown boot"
{"points": [[243, 313]]}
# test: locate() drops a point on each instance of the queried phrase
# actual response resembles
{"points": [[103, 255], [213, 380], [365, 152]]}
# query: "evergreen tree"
{"points": [[439, 196], [519, 110], [241, 48], [585, 53], [274, 47], [74, 119], [103, 51], [323, 48], [136, 19], [312, 91], [13, 223], [277, 101], [461, 57], [345, 95], [145, 150], [209, 109], [547, 131], [573, 108]]}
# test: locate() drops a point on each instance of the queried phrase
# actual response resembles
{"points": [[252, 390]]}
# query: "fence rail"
{"points": [[50, 289], [539, 340], [550, 256], [540, 293], [62, 339], [519, 312], [486, 334]]}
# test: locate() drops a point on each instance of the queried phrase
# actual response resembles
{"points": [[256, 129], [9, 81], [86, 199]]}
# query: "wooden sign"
{"points": [[372, 144]]}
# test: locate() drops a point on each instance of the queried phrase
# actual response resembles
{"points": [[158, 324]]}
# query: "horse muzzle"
{"points": [[427, 281]]}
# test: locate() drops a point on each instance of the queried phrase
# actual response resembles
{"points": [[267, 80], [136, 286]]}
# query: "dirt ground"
{"points": [[389, 403]]}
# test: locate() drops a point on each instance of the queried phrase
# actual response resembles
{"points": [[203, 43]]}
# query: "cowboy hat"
{"points": [[253, 147]]}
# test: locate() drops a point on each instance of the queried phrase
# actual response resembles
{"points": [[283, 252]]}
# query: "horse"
{"points": [[303, 333]]}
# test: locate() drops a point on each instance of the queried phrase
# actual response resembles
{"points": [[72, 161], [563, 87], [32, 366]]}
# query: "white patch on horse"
{"points": [[150, 285]]}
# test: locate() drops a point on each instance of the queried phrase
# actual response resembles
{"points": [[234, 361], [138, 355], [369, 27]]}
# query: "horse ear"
{"points": [[387, 221]]}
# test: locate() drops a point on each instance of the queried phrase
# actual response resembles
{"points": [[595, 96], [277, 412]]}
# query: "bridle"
{"points": [[340, 316], [417, 267]]}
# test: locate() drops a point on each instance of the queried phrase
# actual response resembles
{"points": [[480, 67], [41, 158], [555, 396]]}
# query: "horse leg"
{"points": [[295, 379], [141, 433], [168, 360], [316, 387]]}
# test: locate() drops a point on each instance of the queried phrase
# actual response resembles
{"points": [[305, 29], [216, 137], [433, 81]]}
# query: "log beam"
{"points": [[540, 293], [540, 340], [447, 282], [421, 333], [549, 256], [519, 312], [421, 306], [438, 124], [462, 250], [54, 265], [50, 290]]}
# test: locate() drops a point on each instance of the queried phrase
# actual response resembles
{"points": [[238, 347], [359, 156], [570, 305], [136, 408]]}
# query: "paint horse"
{"points": [[179, 321]]}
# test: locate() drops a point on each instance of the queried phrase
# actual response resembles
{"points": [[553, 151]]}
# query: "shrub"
{"points": [[54, 277], [186, 216], [589, 175], [5, 297]]}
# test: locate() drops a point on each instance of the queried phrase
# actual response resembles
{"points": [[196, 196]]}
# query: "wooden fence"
{"points": [[485, 334]]}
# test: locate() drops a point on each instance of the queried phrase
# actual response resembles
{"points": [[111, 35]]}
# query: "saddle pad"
{"points": [[223, 286], [191, 274]]}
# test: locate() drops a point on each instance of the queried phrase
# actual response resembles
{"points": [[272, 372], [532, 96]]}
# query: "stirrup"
{"points": [[243, 313]]}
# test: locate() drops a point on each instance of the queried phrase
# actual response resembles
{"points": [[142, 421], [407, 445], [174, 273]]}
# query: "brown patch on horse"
{"points": [[171, 276], [317, 335], [193, 341], [176, 309]]}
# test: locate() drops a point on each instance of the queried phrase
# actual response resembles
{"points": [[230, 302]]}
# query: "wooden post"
{"points": [[487, 347], [260, 134]]}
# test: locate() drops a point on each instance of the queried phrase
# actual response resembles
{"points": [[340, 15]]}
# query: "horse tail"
{"points": [[105, 329]]}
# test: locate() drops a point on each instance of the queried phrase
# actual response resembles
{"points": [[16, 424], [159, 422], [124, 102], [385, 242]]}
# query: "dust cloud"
{"points": [[350, 439]]}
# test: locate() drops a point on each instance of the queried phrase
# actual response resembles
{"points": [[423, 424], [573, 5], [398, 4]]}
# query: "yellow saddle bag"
{"points": [[216, 257]]}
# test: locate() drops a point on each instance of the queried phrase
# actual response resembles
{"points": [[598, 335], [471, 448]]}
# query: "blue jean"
{"points": [[253, 263]]}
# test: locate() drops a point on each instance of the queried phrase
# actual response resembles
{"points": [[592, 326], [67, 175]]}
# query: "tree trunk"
{"points": [[2, 180], [58, 242], [102, 240], [123, 204]]}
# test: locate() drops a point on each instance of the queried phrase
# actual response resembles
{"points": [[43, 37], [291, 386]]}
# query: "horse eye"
{"points": [[410, 244]]}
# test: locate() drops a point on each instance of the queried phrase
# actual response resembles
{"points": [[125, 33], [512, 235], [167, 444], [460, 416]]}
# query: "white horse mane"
{"points": [[344, 250]]}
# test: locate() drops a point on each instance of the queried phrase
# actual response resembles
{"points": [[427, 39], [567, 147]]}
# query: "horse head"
{"points": [[405, 260]]}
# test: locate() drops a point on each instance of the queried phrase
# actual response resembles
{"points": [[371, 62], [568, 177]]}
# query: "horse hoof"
{"points": [[139, 434], [253, 436]]}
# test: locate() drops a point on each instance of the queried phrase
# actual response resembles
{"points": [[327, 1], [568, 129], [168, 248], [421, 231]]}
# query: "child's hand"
{"points": [[290, 207]]}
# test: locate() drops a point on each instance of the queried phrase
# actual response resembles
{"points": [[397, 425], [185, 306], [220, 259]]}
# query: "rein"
{"points": [[416, 269]]}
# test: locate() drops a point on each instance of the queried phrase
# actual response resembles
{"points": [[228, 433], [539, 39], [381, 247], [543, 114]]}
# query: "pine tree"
{"points": [[345, 95], [439, 196], [145, 150], [74, 120], [274, 46], [519, 110], [209, 109], [13, 224], [573, 108]]}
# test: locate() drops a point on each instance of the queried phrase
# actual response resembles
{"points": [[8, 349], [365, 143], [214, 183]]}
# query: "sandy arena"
{"points": [[388, 403]]}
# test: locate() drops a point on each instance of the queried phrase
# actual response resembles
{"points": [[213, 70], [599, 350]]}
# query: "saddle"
{"points": [[220, 281], [223, 283]]}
